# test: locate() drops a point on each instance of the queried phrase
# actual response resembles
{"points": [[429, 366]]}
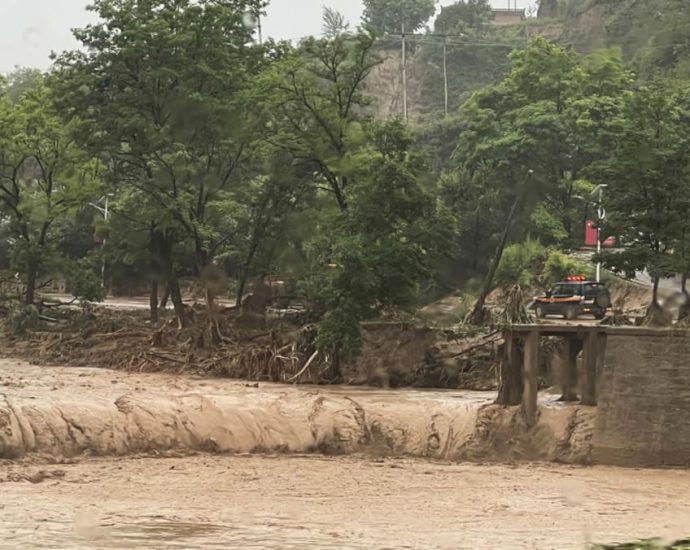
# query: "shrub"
{"points": [[23, 318], [558, 266], [521, 264]]}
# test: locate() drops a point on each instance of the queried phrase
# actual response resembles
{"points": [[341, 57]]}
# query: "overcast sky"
{"points": [[30, 29]]}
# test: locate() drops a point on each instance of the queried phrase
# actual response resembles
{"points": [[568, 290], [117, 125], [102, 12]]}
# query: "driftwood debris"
{"points": [[304, 368]]}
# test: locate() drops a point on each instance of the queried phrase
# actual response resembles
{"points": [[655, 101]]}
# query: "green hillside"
{"points": [[651, 34]]}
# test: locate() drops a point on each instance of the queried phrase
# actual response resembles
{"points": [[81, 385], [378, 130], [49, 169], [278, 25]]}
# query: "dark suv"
{"points": [[573, 298]]}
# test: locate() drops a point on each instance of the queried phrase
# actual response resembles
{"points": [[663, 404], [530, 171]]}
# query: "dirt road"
{"points": [[344, 502]]}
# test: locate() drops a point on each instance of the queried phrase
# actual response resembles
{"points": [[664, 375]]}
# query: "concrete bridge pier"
{"points": [[521, 361], [531, 376], [594, 355], [571, 349]]}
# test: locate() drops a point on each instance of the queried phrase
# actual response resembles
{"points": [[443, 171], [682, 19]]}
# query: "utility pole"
{"points": [[404, 73], [445, 65], [106, 214], [445, 72], [601, 216]]}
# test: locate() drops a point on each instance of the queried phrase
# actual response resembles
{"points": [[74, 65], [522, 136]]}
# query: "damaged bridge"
{"points": [[639, 378]]}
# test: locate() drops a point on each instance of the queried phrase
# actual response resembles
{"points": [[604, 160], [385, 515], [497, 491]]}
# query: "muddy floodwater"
{"points": [[332, 502], [100, 459]]}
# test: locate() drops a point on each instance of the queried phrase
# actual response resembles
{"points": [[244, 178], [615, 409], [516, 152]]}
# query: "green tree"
{"points": [[268, 208], [371, 216], [158, 88], [528, 141], [44, 179], [313, 105], [373, 256], [464, 16], [22, 80], [334, 23], [394, 16], [647, 174], [521, 264]]}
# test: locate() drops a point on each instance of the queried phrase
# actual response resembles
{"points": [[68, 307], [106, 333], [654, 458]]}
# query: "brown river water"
{"points": [[100, 459]]}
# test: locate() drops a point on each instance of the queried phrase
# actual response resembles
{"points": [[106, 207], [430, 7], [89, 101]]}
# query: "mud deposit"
{"points": [[333, 502], [68, 412]]}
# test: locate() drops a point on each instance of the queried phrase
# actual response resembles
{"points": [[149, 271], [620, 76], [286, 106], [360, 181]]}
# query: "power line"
{"points": [[460, 40], [445, 39]]}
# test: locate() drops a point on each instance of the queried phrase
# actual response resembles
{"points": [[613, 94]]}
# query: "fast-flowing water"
{"points": [[332, 502], [108, 460]]}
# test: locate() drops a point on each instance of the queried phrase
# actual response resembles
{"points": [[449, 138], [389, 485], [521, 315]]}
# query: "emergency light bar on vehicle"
{"points": [[576, 279]]}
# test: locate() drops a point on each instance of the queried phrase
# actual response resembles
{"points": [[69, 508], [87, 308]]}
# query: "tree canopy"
{"points": [[394, 16]]}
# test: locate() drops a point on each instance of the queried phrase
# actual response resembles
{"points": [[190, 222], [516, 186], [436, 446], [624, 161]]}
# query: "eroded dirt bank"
{"points": [[282, 502], [67, 412]]}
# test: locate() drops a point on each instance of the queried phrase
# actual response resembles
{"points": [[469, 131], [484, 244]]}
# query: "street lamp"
{"points": [[105, 211], [601, 216]]}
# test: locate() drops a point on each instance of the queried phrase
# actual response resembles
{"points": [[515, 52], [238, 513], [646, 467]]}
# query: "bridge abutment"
{"points": [[639, 379]]}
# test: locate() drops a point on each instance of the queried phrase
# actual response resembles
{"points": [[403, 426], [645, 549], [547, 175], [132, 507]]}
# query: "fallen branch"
{"points": [[48, 319], [58, 303], [485, 341], [165, 357], [120, 333], [305, 367]]}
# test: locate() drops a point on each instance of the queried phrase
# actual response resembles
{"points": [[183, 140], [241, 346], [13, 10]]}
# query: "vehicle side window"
{"points": [[564, 291], [594, 289], [556, 290]]}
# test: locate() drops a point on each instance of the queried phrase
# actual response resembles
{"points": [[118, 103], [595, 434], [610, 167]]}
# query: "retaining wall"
{"points": [[643, 416]]}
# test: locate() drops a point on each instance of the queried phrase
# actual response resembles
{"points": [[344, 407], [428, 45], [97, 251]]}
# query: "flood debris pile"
{"points": [[262, 348]]}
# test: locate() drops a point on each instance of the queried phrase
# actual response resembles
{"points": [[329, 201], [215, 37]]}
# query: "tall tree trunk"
{"points": [[153, 302], [477, 315], [162, 243], [336, 368], [655, 294], [210, 300], [31, 277], [685, 307], [241, 287], [178, 304], [245, 272], [655, 313], [164, 300]]}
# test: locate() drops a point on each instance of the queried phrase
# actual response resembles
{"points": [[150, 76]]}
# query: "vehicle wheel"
{"points": [[539, 312], [571, 313], [599, 314]]}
